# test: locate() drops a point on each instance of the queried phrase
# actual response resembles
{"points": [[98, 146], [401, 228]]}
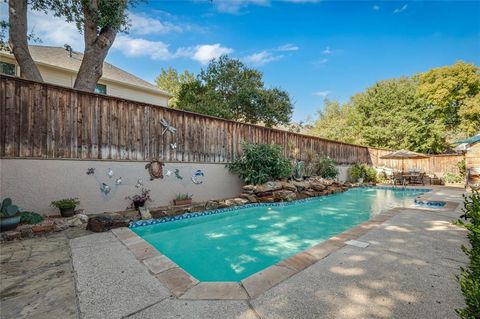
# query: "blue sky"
{"points": [[312, 49]]}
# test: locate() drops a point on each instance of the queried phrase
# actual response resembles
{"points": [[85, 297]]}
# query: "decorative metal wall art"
{"points": [[197, 177], [110, 173], [173, 146], [118, 181], [177, 174], [168, 173], [104, 188], [167, 127], [155, 168], [90, 171], [139, 183]]}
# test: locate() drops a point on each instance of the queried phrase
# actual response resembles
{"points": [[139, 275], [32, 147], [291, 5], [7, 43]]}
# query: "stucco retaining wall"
{"points": [[33, 184]]}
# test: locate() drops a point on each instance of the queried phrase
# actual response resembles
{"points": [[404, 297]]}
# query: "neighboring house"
{"points": [[60, 66]]}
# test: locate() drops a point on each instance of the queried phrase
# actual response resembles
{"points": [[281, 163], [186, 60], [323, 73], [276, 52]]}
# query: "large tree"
{"points": [[98, 20], [229, 89], [453, 95], [18, 40], [171, 81]]}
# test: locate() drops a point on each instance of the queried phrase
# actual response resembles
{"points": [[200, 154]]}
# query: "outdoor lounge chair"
{"points": [[419, 179], [397, 178]]}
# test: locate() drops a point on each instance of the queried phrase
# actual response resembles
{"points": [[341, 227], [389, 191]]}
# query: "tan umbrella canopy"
{"points": [[403, 154]]}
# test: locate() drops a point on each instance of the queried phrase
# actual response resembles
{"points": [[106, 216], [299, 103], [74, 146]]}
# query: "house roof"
{"points": [[60, 58]]}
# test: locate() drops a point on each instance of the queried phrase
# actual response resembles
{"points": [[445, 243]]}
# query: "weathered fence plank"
{"points": [[48, 121]]}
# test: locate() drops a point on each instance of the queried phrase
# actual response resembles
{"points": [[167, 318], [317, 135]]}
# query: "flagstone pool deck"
{"points": [[407, 271]]}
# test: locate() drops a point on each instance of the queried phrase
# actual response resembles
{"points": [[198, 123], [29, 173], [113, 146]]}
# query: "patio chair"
{"points": [[397, 178], [419, 179]]}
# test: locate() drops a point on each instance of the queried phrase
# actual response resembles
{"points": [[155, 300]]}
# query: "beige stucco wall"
{"points": [[67, 78], [33, 184]]}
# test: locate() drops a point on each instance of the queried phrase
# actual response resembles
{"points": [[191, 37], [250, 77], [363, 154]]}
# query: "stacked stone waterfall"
{"points": [[277, 191]]}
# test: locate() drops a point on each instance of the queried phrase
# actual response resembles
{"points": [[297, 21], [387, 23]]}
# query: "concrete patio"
{"points": [[407, 271]]}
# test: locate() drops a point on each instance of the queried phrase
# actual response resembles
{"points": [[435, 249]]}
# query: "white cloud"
{"points": [[261, 58], [206, 52], [288, 47], [142, 24], [138, 47], [398, 10], [234, 6], [327, 51], [322, 61], [323, 94], [376, 7]]}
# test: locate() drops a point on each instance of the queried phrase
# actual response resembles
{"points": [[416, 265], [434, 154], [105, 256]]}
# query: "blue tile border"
{"points": [[429, 203], [162, 220]]}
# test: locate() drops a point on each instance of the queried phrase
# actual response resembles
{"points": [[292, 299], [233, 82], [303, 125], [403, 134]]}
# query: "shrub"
{"points": [[261, 163], [65, 203], [364, 171], [453, 178], [30, 218], [325, 167], [183, 196], [469, 279]]}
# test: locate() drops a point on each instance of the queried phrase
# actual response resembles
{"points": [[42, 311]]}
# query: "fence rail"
{"points": [[41, 120], [48, 121]]}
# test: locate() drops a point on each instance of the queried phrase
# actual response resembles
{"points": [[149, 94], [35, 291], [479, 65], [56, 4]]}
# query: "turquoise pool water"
{"points": [[233, 245]]}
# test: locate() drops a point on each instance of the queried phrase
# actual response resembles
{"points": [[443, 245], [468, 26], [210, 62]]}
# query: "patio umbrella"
{"points": [[403, 154]]}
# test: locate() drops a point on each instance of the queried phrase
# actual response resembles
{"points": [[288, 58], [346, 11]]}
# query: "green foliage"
{"points": [[65, 203], [261, 163], [453, 178], [325, 167], [469, 278], [107, 14], [453, 94], [171, 81], [7, 208], [230, 90], [30, 218], [364, 171], [423, 113], [183, 196], [461, 167]]}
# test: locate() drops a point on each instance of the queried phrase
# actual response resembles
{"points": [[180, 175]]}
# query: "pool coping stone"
{"points": [[184, 286]]}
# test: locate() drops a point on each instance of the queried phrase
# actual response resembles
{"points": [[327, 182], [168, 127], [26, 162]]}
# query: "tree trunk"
{"points": [[19, 40], [97, 45]]}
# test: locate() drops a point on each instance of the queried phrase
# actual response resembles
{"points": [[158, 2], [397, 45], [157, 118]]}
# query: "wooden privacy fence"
{"points": [[435, 164], [40, 120], [46, 121]]}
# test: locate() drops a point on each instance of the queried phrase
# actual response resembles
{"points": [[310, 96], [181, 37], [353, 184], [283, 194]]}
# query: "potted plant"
{"points": [[139, 200], [66, 206], [9, 215], [183, 199]]}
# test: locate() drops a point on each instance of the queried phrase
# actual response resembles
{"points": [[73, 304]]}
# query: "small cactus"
{"points": [[8, 209]]}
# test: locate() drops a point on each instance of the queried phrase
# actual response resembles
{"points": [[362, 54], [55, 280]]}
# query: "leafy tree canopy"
{"points": [[171, 81], [229, 89], [422, 113]]}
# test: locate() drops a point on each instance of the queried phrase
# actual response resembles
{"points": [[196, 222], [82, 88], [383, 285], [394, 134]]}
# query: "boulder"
{"points": [[251, 198], [249, 188], [145, 213], [301, 185], [317, 186], [211, 204], [288, 186], [240, 201], [266, 199], [104, 222], [268, 187], [308, 193], [284, 195]]}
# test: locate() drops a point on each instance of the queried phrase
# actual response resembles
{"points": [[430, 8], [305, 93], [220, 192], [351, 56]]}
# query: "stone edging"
{"points": [[184, 286], [162, 220]]}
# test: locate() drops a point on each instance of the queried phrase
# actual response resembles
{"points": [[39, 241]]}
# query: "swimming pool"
{"points": [[233, 245]]}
